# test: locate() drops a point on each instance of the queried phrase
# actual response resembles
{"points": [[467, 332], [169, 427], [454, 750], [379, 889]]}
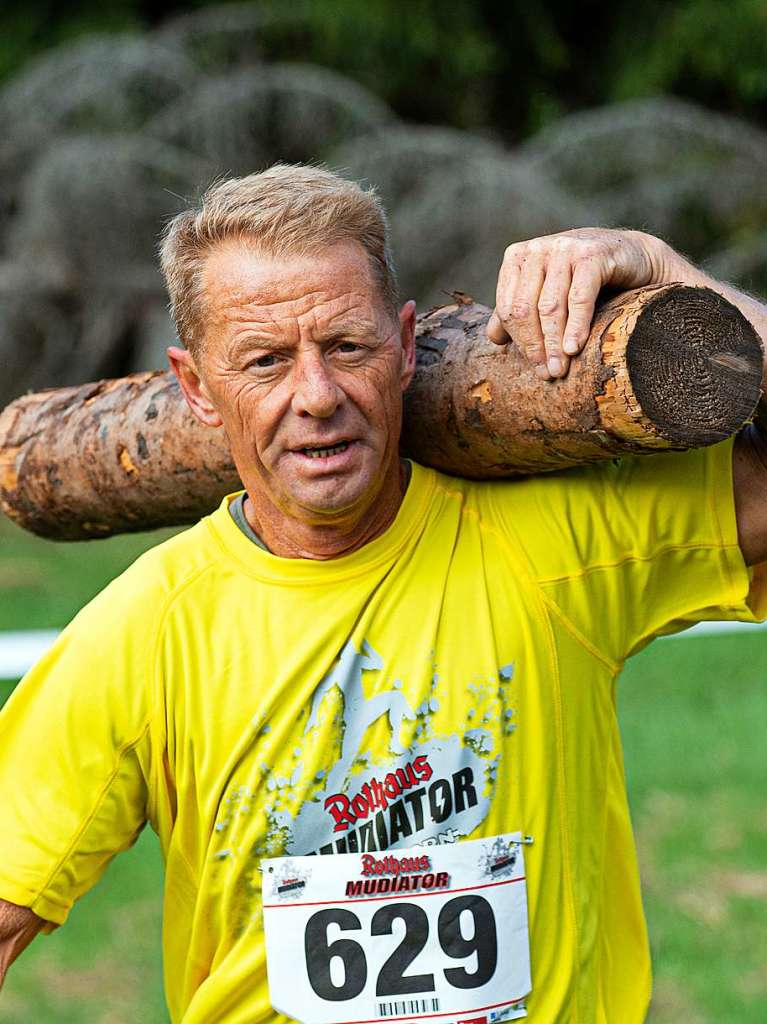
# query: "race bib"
{"points": [[435, 933]]}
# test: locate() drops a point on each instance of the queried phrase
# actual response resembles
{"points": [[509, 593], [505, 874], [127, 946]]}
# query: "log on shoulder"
{"points": [[669, 367]]}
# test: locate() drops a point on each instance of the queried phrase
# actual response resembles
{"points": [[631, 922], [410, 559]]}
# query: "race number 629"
{"points": [[465, 931]]}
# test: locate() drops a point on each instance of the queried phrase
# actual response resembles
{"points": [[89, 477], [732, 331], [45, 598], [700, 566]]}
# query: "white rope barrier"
{"points": [[717, 628], [21, 649]]}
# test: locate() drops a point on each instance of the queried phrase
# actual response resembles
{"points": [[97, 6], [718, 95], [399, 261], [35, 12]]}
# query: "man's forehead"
{"points": [[238, 276]]}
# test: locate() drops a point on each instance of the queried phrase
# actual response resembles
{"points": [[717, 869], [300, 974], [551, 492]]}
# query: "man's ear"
{"points": [[196, 394], [407, 336]]}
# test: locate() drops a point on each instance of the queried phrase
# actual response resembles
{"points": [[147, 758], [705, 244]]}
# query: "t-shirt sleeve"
{"points": [[638, 547], [75, 756]]}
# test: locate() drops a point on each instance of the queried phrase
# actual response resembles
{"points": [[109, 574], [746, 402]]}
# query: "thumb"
{"points": [[496, 331]]}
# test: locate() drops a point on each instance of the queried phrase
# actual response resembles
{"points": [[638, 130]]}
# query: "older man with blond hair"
{"points": [[367, 708]]}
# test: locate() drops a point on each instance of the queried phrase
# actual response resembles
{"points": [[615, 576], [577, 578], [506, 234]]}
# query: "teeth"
{"points": [[324, 453]]}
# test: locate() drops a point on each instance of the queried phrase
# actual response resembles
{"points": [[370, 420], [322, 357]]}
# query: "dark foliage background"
{"points": [[510, 67]]}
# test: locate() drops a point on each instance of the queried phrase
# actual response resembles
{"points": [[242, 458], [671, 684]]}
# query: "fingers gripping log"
{"points": [[667, 367]]}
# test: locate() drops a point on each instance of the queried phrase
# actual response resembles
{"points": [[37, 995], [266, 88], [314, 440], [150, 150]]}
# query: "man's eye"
{"points": [[265, 361], [348, 346]]}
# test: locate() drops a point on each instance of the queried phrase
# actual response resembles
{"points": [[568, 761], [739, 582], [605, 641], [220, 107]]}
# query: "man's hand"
{"points": [[18, 926], [548, 287]]}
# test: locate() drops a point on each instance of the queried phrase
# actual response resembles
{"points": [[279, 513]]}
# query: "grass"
{"points": [[693, 716]]}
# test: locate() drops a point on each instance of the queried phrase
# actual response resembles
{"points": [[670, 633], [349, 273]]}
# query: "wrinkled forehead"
{"points": [[239, 277]]}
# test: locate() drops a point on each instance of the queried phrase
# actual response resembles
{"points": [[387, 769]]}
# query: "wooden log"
{"points": [[669, 367], [665, 367]]}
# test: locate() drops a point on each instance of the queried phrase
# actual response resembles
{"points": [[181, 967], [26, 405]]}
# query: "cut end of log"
{"points": [[695, 365]]}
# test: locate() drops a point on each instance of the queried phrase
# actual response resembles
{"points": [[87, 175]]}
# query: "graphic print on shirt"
{"points": [[436, 790]]}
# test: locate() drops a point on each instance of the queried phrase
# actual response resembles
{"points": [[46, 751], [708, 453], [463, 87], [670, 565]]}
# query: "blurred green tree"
{"points": [[506, 68], [715, 52]]}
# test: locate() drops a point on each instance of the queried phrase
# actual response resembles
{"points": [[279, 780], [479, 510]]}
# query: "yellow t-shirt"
{"points": [[453, 678]]}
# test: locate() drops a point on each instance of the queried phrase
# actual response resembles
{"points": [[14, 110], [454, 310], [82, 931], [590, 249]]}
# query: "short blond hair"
{"points": [[287, 210]]}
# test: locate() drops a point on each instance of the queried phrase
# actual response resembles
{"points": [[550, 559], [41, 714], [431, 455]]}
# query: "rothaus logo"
{"points": [[440, 802], [376, 795], [393, 865]]}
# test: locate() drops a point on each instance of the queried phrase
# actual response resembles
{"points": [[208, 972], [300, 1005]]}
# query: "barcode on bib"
{"points": [[408, 1006]]}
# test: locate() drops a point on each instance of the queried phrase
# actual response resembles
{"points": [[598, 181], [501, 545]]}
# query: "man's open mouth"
{"points": [[326, 451]]}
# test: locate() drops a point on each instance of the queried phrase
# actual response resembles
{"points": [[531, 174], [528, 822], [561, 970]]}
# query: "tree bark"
{"points": [[667, 367]]}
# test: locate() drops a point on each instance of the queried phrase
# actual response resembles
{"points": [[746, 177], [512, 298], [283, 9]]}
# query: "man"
{"points": [[357, 654]]}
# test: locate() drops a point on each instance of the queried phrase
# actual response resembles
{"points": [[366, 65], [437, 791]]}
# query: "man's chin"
{"points": [[327, 501]]}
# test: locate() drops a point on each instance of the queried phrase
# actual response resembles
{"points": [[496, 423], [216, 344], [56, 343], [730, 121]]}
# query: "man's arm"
{"points": [[545, 299], [75, 753], [18, 926]]}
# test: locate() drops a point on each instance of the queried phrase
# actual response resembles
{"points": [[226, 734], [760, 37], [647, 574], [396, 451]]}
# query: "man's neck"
{"points": [[292, 538]]}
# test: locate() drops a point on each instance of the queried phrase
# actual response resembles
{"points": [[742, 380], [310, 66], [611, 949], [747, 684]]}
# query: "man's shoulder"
{"points": [[557, 522], [527, 489], [174, 562], [138, 597], [567, 485]]}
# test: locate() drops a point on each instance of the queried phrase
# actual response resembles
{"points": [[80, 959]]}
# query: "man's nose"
{"points": [[315, 391]]}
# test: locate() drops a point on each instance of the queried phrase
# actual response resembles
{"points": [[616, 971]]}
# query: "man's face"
{"points": [[306, 370]]}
